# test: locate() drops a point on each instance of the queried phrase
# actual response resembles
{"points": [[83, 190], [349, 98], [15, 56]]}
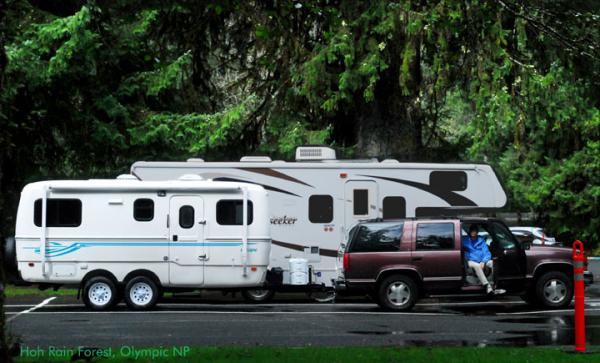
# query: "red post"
{"points": [[578, 269]]}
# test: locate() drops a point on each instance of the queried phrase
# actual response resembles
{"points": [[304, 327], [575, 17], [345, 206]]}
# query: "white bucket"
{"points": [[298, 271]]}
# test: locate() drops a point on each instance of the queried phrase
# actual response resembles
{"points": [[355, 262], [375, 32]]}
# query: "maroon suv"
{"points": [[396, 262]]}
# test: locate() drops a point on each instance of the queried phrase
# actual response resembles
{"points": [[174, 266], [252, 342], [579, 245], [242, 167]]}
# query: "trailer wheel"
{"points": [[100, 293], [257, 296], [141, 293]]}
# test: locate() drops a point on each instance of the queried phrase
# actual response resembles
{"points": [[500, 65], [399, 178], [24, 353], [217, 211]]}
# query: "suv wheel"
{"points": [[554, 290], [397, 293]]}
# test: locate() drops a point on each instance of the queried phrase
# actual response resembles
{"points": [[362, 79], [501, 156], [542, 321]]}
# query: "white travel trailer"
{"points": [[314, 201], [136, 239]]}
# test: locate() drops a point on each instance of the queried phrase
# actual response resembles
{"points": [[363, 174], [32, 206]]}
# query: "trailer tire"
{"points": [[257, 296], [141, 293], [9, 257], [100, 293]]}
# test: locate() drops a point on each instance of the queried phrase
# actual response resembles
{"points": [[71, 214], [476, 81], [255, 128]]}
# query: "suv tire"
{"points": [[397, 293], [554, 290]]}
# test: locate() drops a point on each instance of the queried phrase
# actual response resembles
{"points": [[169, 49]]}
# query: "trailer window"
{"points": [[394, 208], [320, 208], [361, 202], [59, 213], [230, 212], [448, 180], [186, 216], [143, 210], [435, 236]]}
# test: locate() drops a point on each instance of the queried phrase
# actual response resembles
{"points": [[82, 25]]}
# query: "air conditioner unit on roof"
{"points": [[314, 153]]}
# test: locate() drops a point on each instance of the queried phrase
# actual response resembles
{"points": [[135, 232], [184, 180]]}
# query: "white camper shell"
{"points": [[314, 201], [143, 236]]}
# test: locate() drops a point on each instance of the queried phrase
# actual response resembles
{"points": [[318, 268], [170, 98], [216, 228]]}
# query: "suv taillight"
{"points": [[346, 261]]}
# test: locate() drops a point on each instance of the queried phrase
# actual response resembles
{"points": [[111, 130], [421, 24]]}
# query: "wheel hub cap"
{"points": [[398, 293], [555, 291], [100, 294], [141, 293]]}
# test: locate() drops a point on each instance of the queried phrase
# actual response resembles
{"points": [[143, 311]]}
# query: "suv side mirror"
{"points": [[526, 245]]}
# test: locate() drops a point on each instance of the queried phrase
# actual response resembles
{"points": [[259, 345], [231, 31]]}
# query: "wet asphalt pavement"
{"points": [[212, 320]]}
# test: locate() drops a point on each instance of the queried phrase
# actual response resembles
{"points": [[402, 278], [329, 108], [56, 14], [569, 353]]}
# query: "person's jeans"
{"points": [[476, 266]]}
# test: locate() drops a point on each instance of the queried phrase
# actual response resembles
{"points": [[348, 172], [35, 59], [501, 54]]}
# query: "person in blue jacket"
{"points": [[478, 255]]}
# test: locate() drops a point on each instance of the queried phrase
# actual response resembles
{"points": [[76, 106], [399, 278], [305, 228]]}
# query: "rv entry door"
{"points": [[360, 201], [186, 248]]}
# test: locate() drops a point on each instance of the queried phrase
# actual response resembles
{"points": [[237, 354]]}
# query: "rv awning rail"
{"points": [[143, 188]]}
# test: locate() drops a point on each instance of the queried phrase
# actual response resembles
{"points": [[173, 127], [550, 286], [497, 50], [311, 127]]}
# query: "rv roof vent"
{"points": [[309, 153], [391, 161], [127, 177], [190, 177], [195, 160], [255, 159]]}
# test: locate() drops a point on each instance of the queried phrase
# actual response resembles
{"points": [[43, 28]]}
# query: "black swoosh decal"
{"points": [[268, 187], [448, 196], [276, 174], [295, 247]]}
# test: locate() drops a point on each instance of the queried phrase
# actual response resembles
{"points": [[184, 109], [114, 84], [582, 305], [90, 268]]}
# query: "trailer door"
{"points": [[186, 248], [360, 201]]}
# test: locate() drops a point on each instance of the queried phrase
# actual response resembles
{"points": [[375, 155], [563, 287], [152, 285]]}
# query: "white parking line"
{"points": [[475, 303], [30, 309], [239, 312], [544, 312]]}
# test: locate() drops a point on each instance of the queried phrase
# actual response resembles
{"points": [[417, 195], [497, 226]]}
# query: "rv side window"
{"points": [[143, 210], [186, 216], [361, 202], [59, 213], [230, 212], [435, 236], [320, 208], [394, 208]]}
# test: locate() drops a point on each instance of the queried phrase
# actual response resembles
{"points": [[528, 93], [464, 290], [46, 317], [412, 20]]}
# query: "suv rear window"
{"points": [[435, 236], [376, 237]]}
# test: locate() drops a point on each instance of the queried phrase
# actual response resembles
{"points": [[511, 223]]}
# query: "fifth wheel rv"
{"points": [[315, 200], [135, 239]]}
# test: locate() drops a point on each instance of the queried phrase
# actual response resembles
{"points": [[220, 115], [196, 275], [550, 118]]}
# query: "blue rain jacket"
{"points": [[477, 250]]}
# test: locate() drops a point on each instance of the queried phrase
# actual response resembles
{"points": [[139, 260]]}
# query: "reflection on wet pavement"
{"points": [[552, 330]]}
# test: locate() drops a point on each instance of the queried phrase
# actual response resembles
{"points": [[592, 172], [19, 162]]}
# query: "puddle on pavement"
{"points": [[554, 330], [526, 331]]}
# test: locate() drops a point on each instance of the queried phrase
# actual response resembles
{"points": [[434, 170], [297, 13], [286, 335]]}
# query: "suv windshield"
{"points": [[376, 237], [502, 235]]}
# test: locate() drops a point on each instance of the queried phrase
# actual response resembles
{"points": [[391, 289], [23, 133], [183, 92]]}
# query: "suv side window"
{"points": [[377, 237], [435, 236]]}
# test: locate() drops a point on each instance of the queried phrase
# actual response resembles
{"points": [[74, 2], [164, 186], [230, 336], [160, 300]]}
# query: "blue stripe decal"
{"points": [[55, 249]]}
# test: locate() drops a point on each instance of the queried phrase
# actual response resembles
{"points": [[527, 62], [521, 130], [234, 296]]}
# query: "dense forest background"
{"points": [[88, 87]]}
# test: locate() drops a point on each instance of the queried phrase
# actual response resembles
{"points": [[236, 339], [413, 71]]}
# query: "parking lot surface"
{"points": [[217, 321]]}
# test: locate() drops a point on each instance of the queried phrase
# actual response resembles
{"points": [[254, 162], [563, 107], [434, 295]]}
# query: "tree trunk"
{"points": [[390, 126]]}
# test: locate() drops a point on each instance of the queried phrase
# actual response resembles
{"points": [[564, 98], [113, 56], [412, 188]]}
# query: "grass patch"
{"points": [[14, 291], [331, 355]]}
